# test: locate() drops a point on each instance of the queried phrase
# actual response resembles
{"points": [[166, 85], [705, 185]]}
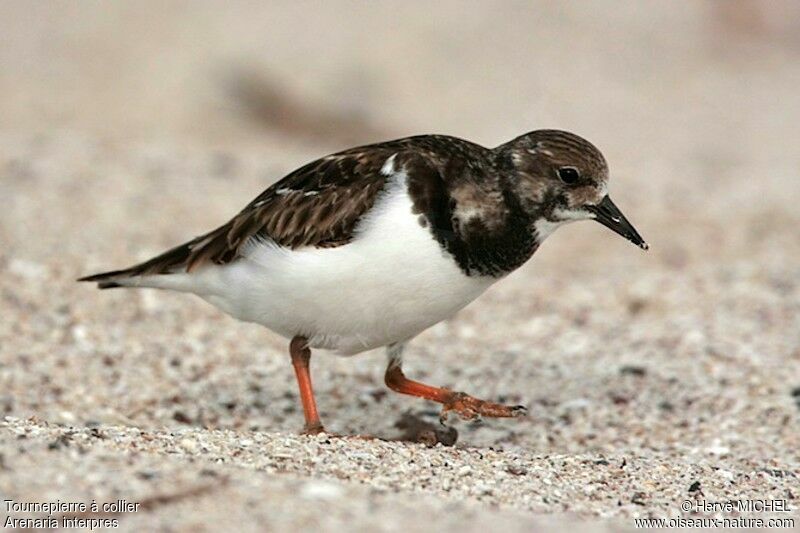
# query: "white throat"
{"points": [[545, 227]]}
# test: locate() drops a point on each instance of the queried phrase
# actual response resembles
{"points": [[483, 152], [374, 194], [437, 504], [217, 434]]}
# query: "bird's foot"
{"points": [[313, 429], [469, 408], [318, 429]]}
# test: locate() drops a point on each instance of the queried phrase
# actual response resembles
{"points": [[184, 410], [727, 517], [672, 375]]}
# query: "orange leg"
{"points": [[462, 404], [301, 355]]}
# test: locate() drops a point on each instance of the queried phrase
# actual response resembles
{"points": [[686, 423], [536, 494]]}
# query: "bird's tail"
{"points": [[151, 273], [111, 280]]}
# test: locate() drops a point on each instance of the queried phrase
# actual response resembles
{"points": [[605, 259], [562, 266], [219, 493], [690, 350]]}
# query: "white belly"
{"points": [[389, 284]]}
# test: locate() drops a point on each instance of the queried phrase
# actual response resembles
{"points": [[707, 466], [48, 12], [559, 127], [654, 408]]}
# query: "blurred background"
{"points": [[129, 127]]}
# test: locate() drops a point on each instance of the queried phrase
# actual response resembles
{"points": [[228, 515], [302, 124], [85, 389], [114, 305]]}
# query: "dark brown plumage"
{"points": [[318, 204]]}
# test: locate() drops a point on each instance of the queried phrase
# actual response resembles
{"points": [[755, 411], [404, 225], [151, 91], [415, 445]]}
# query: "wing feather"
{"points": [[318, 205]]}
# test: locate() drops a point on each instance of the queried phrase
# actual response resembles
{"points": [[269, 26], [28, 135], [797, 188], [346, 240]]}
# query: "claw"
{"points": [[519, 410]]}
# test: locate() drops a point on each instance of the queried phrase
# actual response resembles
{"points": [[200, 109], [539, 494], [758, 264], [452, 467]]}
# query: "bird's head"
{"points": [[559, 177]]}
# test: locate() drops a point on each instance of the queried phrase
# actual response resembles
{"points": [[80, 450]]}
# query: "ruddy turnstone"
{"points": [[370, 246]]}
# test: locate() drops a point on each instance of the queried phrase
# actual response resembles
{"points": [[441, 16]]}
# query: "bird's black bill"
{"points": [[611, 217]]}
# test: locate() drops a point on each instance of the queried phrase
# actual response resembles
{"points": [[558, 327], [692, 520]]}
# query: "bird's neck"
{"points": [[495, 252]]}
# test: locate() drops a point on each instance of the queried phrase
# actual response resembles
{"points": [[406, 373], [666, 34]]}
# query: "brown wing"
{"points": [[319, 204]]}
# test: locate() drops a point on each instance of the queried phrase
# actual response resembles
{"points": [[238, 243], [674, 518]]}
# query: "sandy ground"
{"points": [[650, 378]]}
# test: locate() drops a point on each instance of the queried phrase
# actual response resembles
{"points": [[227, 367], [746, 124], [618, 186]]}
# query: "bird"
{"points": [[368, 247]]}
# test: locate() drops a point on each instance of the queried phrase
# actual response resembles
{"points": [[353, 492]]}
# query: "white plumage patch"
{"points": [[546, 227], [388, 167], [387, 285]]}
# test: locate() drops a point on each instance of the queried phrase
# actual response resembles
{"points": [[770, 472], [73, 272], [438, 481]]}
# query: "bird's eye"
{"points": [[569, 175]]}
